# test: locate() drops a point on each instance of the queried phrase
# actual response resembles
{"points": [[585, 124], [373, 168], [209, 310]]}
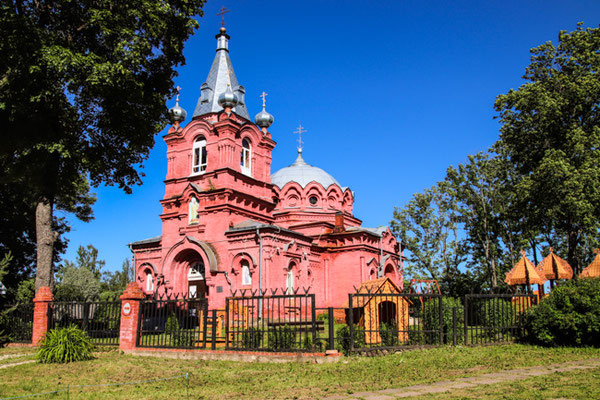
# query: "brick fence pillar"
{"points": [[130, 312], [41, 303]]}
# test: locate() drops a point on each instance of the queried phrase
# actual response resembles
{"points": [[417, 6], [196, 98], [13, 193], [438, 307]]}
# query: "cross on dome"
{"points": [[222, 13], [178, 88], [264, 95], [300, 130]]}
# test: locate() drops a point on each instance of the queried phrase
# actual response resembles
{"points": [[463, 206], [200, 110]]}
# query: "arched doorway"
{"points": [[197, 280]]}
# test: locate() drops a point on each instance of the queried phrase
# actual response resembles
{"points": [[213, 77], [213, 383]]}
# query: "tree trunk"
{"points": [[573, 239], [45, 244]]}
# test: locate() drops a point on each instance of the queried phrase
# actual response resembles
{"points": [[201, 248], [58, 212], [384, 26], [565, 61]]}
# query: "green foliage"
{"points": [[65, 345], [343, 338], [183, 338], [252, 338], [25, 291], [431, 319], [495, 315], [569, 316], [172, 324], [389, 333], [282, 338], [76, 283]]}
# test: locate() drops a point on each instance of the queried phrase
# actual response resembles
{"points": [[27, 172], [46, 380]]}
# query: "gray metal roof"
{"points": [[220, 75], [303, 174], [146, 241]]}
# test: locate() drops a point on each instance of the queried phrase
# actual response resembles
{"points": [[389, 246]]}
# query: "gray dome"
{"points": [[303, 174], [263, 119], [228, 98], [177, 113]]}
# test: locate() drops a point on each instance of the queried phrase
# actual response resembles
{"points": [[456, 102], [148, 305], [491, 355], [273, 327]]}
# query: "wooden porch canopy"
{"points": [[553, 267], [523, 273], [592, 270]]}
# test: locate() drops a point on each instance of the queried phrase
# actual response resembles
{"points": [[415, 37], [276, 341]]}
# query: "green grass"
{"points": [[230, 380]]}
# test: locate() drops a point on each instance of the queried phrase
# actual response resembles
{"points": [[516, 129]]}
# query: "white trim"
{"points": [[199, 156], [246, 157]]}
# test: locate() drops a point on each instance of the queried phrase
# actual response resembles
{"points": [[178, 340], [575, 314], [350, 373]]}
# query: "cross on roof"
{"points": [[264, 95], [178, 89], [222, 13], [300, 130]]}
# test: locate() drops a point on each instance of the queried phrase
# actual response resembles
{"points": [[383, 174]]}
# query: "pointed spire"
{"points": [[220, 75]]}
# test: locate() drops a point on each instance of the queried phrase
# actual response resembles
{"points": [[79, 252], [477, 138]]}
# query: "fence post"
{"points": [[454, 326], [227, 317], [131, 301], [213, 345], [441, 320], [466, 316], [351, 322], [41, 315], [331, 323]]}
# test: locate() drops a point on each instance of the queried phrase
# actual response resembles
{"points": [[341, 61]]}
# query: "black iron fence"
{"points": [[177, 321], [99, 317], [273, 321], [16, 321]]}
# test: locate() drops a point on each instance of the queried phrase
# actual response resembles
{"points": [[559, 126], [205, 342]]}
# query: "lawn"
{"points": [[229, 380]]}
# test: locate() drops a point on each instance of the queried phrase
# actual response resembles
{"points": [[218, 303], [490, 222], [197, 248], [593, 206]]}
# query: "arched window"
{"points": [[199, 156], [289, 280], [149, 282], [196, 271], [246, 275], [246, 156], [193, 211]]}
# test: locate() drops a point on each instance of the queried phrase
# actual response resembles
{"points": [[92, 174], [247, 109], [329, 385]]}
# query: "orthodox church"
{"points": [[229, 224]]}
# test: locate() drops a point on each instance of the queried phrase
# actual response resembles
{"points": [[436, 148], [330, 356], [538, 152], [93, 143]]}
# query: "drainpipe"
{"points": [[132, 262], [380, 256], [260, 258]]}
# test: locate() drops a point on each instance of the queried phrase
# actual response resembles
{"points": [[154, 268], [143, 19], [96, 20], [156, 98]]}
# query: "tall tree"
{"points": [[83, 86], [551, 133]]}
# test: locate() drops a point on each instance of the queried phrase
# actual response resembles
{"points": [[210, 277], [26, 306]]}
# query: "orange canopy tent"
{"points": [[592, 270], [524, 273], [553, 267]]}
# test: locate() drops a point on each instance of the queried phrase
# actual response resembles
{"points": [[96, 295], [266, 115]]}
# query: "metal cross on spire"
{"points": [[222, 13], [178, 89], [300, 130], [264, 95]]}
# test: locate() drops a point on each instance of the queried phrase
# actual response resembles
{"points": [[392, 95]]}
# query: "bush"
{"points": [[569, 316], [252, 338], [389, 333], [282, 338], [343, 338], [172, 325], [496, 315], [182, 338], [431, 319], [65, 345]]}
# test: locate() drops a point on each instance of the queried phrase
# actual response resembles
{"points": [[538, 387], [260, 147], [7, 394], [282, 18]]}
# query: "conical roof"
{"points": [[592, 270], [523, 273], [219, 77], [553, 267]]}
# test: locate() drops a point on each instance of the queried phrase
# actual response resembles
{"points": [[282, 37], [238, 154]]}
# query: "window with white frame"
{"points": [[246, 275], [149, 282], [246, 156], [199, 156]]}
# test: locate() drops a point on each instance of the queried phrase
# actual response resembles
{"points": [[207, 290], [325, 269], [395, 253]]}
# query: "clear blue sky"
{"points": [[390, 92]]}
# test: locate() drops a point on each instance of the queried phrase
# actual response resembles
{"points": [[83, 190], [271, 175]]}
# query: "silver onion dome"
{"points": [[228, 98], [263, 119], [177, 113]]}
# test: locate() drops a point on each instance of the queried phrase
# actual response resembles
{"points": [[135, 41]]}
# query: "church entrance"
{"points": [[196, 281]]}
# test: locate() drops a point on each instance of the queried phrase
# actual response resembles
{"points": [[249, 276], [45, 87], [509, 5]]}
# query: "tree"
{"points": [[551, 134], [116, 282], [427, 230], [82, 92]]}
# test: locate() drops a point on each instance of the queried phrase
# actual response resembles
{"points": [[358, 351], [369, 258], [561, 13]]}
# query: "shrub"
{"points": [[496, 315], [172, 325], [389, 333], [431, 319], [343, 338], [183, 338], [569, 316], [282, 338], [65, 345], [251, 338]]}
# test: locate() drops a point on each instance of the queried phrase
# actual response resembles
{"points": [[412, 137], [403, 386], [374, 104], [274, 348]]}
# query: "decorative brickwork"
{"points": [[41, 301], [130, 307]]}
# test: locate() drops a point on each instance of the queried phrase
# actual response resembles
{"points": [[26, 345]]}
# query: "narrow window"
{"points": [[246, 155], [246, 275], [199, 156]]}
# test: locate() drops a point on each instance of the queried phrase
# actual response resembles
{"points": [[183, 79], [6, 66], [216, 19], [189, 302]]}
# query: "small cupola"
{"points": [[177, 113], [263, 119]]}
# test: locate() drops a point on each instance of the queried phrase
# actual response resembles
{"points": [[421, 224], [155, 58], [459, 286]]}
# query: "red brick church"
{"points": [[228, 223]]}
